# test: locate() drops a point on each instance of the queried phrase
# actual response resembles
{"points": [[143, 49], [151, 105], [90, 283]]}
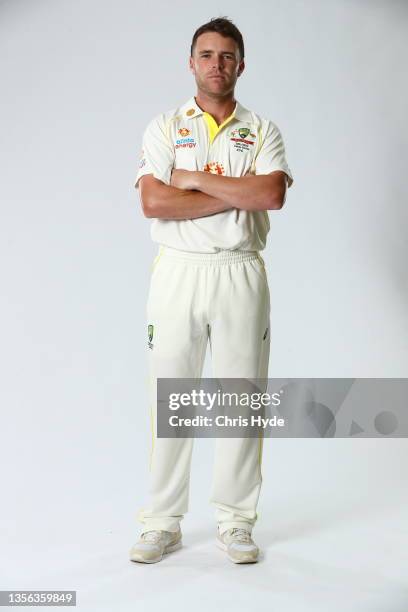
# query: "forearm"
{"points": [[173, 203], [249, 192]]}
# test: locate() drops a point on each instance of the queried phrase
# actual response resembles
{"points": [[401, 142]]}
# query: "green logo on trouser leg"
{"points": [[150, 330]]}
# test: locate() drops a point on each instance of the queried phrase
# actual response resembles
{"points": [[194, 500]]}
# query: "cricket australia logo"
{"points": [[240, 139], [150, 330]]}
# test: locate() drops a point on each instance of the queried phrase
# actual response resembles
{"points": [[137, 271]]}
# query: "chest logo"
{"points": [[184, 132], [242, 139], [243, 132], [185, 143], [214, 168]]}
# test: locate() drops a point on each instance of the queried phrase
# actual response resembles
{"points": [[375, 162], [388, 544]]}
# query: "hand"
{"points": [[183, 179]]}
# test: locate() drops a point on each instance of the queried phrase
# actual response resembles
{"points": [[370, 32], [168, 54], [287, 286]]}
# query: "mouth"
{"points": [[217, 76]]}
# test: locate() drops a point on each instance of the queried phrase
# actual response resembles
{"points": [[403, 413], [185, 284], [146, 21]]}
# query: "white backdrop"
{"points": [[79, 82]]}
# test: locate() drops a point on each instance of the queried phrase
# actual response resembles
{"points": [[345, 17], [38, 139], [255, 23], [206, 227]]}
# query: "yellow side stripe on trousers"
{"points": [[157, 258]]}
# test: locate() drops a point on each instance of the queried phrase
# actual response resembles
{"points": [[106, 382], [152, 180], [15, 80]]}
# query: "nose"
{"points": [[218, 62]]}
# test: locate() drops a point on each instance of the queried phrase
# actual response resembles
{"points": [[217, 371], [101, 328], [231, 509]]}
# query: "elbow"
{"points": [[277, 192], [275, 202], [277, 199], [148, 208], [147, 211], [151, 197], [280, 202]]}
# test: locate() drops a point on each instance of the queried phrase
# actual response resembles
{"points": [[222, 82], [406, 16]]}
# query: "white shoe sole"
{"points": [[169, 549], [224, 547]]}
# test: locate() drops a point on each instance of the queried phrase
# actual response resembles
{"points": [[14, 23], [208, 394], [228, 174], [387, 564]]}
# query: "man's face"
{"points": [[216, 64]]}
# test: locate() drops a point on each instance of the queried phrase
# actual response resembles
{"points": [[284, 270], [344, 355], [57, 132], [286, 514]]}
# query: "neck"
{"points": [[219, 108]]}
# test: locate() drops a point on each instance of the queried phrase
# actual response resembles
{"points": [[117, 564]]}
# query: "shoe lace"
{"points": [[241, 534], [151, 536]]}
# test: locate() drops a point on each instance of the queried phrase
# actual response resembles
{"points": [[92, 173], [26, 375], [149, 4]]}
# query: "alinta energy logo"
{"points": [[186, 142], [214, 168]]}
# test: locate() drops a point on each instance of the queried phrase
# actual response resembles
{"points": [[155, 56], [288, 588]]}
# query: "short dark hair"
{"points": [[223, 26]]}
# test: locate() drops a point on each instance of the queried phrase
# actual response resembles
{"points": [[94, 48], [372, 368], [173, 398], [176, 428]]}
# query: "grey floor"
{"points": [[318, 554]]}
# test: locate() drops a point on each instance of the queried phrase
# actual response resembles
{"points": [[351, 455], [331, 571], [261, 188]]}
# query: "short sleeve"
{"points": [[157, 156], [271, 155]]}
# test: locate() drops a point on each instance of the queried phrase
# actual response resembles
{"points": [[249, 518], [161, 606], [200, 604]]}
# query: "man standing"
{"points": [[209, 172]]}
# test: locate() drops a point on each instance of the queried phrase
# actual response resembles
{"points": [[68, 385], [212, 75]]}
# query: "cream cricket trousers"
{"points": [[195, 298]]}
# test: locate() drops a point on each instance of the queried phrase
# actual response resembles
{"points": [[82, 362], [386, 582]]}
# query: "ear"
{"points": [[191, 65], [241, 68]]}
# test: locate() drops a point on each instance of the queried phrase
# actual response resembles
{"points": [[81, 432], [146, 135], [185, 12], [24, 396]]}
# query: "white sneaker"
{"points": [[152, 545], [239, 545]]}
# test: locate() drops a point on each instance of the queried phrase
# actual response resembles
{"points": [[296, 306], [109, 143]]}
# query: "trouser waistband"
{"points": [[221, 257]]}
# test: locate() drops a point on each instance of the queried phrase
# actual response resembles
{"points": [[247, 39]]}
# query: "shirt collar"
{"points": [[190, 110]]}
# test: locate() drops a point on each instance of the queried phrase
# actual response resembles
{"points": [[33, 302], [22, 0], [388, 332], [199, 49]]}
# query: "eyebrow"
{"points": [[210, 51]]}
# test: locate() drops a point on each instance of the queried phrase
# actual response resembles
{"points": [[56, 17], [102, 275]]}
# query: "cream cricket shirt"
{"points": [[189, 138]]}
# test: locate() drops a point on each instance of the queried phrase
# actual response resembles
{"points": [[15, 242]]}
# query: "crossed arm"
{"points": [[193, 194]]}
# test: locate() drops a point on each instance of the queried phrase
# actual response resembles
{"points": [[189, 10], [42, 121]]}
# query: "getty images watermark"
{"points": [[282, 407]]}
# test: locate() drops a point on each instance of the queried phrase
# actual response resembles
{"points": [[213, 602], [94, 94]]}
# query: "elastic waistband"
{"points": [[222, 257]]}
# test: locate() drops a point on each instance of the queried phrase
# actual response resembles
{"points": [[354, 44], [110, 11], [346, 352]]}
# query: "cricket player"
{"points": [[209, 172]]}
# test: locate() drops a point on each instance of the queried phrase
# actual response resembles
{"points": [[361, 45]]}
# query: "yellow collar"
{"points": [[190, 110]]}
